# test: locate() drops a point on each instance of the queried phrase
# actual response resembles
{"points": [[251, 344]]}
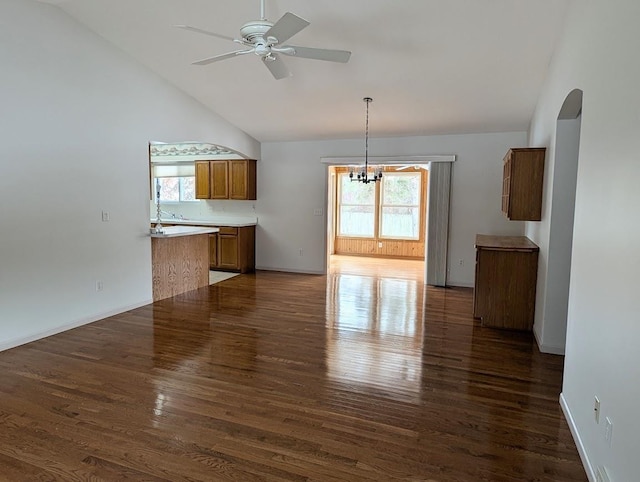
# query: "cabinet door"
{"points": [[227, 251], [242, 179], [218, 180], [213, 251], [506, 185], [202, 179], [522, 184]]}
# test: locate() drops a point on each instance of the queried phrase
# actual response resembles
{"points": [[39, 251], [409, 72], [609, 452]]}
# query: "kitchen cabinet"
{"points": [[202, 179], [504, 293], [234, 250], [242, 179], [213, 251], [226, 179], [522, 180]]}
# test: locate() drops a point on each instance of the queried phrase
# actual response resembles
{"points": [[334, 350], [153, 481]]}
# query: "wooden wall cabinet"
{"points": [[202, 179], [523, 176], [504, 294], [218, 180], [226, 179], [234, 249]]}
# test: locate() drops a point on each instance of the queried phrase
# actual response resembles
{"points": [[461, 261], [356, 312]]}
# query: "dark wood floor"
{"points": [[278, 376]]}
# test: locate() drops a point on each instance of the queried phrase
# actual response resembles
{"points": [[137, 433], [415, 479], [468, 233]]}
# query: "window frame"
{"points": [[418, 206], [180, 190], [378, 207], [340, 204]]}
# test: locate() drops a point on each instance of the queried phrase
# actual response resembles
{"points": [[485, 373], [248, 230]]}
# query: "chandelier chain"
{"points": [[366, 135], [362, 174]]}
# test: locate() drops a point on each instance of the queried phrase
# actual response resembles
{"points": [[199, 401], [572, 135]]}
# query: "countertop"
{"points": [[176, 231], [231, 221], [507, 243]]}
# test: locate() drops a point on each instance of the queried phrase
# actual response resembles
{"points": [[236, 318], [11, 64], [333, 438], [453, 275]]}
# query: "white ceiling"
{"points": [[431, 66]]}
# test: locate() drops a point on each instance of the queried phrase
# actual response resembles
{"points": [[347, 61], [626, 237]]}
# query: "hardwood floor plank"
{"points": [[288, 377]]}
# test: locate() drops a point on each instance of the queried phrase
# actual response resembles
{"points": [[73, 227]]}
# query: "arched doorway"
{"points": [[565, 173]]}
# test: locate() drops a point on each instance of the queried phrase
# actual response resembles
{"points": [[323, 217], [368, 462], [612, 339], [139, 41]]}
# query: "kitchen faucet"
{"points": [[173, 215]]}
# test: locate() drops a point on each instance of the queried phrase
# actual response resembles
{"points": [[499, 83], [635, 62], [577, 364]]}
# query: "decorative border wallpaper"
{"points": [[173, 150]]}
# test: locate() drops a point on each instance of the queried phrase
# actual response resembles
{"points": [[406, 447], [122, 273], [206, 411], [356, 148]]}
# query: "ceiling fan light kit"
{"points": [[266, 40]]}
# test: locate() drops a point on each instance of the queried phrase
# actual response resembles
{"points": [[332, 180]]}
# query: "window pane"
{"points": [[401, 189], [169, 189], [352, 192], [400, 222], [188, 188], [356, 221]]}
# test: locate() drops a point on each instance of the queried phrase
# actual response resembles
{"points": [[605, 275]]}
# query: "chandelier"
{"points": [[362, 174]]}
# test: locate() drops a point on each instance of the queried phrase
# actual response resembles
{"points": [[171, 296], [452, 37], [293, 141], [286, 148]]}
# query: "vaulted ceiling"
{"points": [[431, 66]]}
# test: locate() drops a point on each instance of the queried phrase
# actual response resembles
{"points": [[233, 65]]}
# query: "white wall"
{"points": [[292, 183], [76, 119], [598, 54], [552, 294]]}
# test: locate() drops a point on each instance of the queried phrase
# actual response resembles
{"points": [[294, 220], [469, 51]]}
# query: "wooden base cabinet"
{"points": [[213, 251], [234, 249], [505, 285]]}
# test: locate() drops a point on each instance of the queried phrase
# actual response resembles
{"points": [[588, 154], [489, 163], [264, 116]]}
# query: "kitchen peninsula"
{"points": [[233, 247], [180, 260]]}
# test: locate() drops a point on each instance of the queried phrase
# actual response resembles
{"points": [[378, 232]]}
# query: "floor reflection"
{"points": [[374, 332]]}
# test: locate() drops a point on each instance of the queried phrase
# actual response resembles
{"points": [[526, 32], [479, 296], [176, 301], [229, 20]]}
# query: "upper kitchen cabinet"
{"points": [[202, 179], [226, 179], [523, 175], [242, 179]]}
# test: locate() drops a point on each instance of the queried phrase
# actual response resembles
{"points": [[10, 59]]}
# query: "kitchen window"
{"points": [[177, 182]]}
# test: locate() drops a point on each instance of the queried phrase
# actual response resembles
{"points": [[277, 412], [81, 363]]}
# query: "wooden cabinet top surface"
{"points": [[526, 149], [507, 243]]}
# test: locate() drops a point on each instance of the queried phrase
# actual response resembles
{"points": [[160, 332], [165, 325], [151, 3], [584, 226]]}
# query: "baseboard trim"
{"points": [[289, 270], [459, 284], [69, 326], [586, 463], [550, 349]]}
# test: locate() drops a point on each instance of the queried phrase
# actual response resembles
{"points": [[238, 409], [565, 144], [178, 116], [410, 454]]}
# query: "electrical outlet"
{"points": [[379, 245], [99, 286], [106, 217], [596, 409], [317, 212], [461, 262]]}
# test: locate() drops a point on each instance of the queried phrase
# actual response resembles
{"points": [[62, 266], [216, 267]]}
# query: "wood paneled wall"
{"points": [[371, 247]]}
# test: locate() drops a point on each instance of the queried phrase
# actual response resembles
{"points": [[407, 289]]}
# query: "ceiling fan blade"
{"points": [[285, 28], [216, 58], [276, 66], [206, 32], [316, 54]]}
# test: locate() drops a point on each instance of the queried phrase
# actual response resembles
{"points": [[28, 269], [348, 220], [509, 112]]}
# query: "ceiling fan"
{"points": [[266, 40]]}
